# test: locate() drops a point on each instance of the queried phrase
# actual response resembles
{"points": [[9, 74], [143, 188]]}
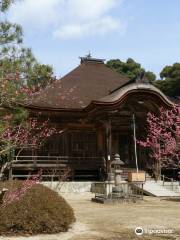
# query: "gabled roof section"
{"points": [[120, 94], [91, 80]]}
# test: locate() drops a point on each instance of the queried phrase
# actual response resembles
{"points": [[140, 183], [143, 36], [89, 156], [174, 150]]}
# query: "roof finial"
{"points": [[89, 55], [88, 59], [142, 78]]}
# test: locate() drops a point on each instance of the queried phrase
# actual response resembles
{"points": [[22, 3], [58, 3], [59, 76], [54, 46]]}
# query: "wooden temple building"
{"points": [[93, 106]]}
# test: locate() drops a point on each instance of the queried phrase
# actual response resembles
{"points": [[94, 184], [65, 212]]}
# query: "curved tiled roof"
{"points": [[117, 95], [90, 81]]}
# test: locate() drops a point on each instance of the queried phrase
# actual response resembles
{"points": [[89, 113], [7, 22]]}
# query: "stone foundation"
{"points": [[69, 187]]}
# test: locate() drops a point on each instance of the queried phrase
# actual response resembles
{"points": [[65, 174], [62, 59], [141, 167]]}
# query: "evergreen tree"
{"points": [[14, 57], [131, 69], [170, 80]]}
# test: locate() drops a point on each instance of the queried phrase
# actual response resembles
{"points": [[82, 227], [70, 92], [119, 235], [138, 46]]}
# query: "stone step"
{"points": [[152, 188]]}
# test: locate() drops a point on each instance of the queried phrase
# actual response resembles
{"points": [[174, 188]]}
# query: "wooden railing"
{"points": [[40, 158], [22, 166], [52, 164], [26, 165], [39, 162], [35, 160]]}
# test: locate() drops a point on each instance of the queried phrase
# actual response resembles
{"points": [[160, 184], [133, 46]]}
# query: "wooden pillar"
{"points": [[10, 173], [158, 170], [108, 144], [100, 140], [101, 155]]}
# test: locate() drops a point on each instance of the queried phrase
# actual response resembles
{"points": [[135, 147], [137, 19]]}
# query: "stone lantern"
{"points": [[116, 166]]}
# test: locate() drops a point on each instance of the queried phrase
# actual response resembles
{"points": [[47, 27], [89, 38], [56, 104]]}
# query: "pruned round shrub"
{"points": [[39, 210]]}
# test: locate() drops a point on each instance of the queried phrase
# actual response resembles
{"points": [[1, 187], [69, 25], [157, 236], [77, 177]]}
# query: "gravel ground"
{"points": [[117, 222]]}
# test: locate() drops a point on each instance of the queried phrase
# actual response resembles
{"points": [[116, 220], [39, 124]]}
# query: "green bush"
{"points": [[40, 210]]}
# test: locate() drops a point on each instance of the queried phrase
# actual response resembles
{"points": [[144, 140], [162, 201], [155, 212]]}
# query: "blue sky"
{"points": [[59, 31]]}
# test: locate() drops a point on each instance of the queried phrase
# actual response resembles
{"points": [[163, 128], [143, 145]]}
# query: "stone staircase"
{"points": [[156, 189], [175, 186]]}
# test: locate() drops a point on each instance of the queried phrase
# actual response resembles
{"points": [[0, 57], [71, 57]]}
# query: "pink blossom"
{"points": [[16, 195], [162, 134]]}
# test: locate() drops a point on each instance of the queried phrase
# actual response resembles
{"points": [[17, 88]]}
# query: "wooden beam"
{"points": [[80, 125]]}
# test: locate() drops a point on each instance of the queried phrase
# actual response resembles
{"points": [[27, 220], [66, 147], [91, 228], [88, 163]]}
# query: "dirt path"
{"points": [[117, 222]]}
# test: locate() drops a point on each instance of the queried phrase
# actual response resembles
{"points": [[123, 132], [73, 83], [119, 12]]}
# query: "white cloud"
{"points": [[100, 26], [89, 9], [35, 13], [67, 18]]}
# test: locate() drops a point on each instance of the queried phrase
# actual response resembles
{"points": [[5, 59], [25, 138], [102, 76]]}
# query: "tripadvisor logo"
{"points": [[139, 231]]}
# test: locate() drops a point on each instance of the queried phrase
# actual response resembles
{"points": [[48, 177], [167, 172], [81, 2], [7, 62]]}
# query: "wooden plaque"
{"points": [[136, 177]]}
